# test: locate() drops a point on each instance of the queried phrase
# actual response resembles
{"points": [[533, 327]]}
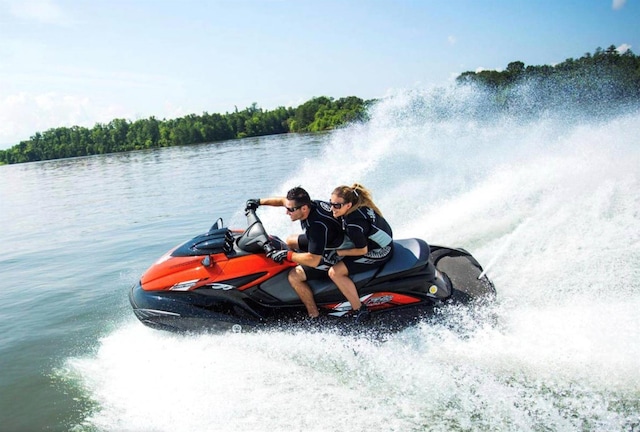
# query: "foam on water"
{"points": [[549, 206]]}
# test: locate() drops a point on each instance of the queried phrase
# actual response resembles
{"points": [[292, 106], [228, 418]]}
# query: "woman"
{"points": [[372, 240]]}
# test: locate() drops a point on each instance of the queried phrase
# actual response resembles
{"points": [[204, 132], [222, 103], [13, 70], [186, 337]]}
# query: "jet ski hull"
{"points": [[397, 297]]}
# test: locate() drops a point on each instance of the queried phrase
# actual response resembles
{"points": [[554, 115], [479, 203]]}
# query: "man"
{"points": [[322, 235]]}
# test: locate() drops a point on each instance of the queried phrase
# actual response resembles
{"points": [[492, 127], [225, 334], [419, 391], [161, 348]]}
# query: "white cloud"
{"points": [[33, 102], [618, 4], [623, 48], [44, 11], [482, 69], [452, 40], [23, 114]]}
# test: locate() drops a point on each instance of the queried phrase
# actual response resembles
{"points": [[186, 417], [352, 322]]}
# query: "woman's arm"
{"points": [[352, 252], [306, 258], [356, 230]]}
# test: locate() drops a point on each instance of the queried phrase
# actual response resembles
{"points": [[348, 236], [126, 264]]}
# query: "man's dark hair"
{"points": [[299, 195]]}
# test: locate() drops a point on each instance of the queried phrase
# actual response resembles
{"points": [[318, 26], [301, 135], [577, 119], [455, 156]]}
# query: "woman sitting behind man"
{"points": [[371, 235]]}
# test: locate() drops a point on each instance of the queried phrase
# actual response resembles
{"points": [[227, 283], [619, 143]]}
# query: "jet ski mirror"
{"points": [[216, 226]]}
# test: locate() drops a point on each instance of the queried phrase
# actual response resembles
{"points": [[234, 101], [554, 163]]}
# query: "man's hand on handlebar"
{"points": [[252, 204]]}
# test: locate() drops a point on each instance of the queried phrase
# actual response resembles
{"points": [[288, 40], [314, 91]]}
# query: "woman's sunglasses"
{"points": [[336, 205]]}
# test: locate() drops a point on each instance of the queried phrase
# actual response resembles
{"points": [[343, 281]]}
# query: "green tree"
{"points": [[122, 135]]}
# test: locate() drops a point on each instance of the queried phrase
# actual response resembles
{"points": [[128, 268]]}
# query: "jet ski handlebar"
{"points": [[255, 237]]}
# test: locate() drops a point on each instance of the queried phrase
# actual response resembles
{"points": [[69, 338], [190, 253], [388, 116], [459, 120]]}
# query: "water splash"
{"points": [[549, 202]]}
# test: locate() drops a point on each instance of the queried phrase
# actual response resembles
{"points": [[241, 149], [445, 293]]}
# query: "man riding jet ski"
{"points": [[222, 280]]}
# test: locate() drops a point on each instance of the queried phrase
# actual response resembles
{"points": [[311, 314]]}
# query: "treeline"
{"points": [[120, 135], [606, 79], [603, 78]]}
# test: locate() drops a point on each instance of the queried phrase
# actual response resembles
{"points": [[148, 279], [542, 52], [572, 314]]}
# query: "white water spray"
{"points": [[549, 206]]}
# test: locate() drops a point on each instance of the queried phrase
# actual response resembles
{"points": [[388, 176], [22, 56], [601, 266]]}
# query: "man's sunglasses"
{"points": [[336, 205], [292, 209]]}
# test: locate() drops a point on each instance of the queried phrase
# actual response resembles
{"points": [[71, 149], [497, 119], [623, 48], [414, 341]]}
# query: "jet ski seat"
{"points": [[408, 254]]}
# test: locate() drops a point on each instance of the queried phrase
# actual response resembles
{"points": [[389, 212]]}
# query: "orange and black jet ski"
{"points": [[223, 281]]}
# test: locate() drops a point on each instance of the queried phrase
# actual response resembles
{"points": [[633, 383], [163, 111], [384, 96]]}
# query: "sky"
{"points": [[79, 62]]}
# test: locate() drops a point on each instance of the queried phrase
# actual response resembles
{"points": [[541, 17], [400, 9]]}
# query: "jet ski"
{"points": [[222, 281]]}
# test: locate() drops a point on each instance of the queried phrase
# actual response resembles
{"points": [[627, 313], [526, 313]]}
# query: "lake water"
{"points": [[548, 204]]}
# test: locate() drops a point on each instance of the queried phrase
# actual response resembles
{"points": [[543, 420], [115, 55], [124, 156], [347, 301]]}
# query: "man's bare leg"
{"points": [[297, 279]]}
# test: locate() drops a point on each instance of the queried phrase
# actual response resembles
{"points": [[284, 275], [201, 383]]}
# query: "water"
{"points": [[548, 203]]}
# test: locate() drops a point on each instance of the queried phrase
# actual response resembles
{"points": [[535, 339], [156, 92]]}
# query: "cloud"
{"points": [[66, 96], [452, 40], [483, 69], [618, 4], [23, 114], [43, 11], [623, 48]]}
